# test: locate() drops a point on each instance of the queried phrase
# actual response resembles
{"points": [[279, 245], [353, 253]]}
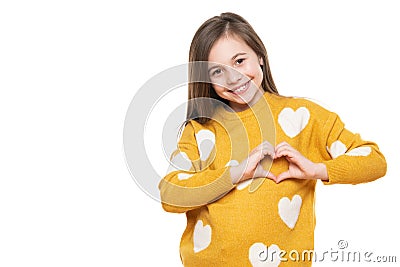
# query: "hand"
{"points": [[251, 167], [299, 166]]}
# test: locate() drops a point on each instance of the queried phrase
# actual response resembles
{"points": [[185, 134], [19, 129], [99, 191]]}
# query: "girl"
{"points": [[243, 129]]}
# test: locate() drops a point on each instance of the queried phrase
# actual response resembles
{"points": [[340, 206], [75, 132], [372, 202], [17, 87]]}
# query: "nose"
{"points": [[233, 76]]}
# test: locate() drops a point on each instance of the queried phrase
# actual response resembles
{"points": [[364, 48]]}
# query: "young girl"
{"points": [[243, 130]]}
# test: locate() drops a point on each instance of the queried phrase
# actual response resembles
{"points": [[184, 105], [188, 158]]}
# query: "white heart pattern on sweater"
{"points": [[205, 142], [262, 256], [289, 210], [180, 162], [201, 236], [293, 122], [338, 149]]}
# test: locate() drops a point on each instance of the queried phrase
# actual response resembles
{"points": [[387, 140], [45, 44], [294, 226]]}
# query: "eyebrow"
{"points": [[233, 58], [238, 54]]}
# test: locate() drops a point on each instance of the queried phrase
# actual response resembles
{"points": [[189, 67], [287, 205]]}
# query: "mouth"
{"points": [[241, 89]]}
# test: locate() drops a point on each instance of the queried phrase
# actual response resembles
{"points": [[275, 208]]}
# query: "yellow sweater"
{"points": [[258, 222]]}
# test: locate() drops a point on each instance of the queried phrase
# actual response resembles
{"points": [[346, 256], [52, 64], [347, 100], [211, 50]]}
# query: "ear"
{"points": [[261, 61]]}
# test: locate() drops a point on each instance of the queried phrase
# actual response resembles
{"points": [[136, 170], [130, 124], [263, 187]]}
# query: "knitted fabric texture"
{"points": [[250, 223]]}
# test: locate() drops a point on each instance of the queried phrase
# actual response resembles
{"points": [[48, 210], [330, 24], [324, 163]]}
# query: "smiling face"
{"points": [[235, 72]]}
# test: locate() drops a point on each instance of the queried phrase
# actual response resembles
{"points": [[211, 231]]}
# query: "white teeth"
{"points": [[240, 88]]}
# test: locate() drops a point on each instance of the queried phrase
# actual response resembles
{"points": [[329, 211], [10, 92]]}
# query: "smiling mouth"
{"points": [[241, 89]]}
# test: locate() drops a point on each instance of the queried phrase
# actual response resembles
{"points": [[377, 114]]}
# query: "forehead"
{"points": [[226, 47]]}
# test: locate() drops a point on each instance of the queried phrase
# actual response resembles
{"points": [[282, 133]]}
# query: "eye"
{"points": [[216, 72], [239, 61]]}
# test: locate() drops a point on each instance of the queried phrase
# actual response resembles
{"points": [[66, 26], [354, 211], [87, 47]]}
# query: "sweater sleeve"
{"points": [[190, 182], [352, 160]]}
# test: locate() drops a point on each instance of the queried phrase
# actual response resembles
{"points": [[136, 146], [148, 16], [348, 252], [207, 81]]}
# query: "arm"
{"points": [[348, 158], [189, 184], [352, 160]]}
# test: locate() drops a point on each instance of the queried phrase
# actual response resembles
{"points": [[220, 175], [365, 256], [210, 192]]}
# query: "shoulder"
{"points": [[195, 126], [193, 129], [309, 107]]}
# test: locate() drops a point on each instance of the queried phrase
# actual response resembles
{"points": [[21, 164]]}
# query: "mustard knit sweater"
{"points": [[255, 222]]}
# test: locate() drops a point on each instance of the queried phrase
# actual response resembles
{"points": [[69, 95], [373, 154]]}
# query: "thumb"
{"points": [[283, 176], [271, 176]]}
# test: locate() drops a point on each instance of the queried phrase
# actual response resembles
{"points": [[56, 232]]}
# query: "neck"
{"points": [[237, 107]]}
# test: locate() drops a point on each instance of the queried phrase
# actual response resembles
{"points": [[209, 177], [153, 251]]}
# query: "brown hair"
{"points": [[205, 37]]}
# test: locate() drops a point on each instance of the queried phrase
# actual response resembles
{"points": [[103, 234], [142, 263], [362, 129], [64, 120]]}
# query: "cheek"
{"points": [[218, 89], [254, 72], [259, 74], [258, 70]]}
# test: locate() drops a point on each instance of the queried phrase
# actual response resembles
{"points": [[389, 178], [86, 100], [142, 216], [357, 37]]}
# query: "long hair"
{"points": [[205, 37]]}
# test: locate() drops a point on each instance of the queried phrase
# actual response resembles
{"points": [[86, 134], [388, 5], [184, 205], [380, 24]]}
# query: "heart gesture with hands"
{"points": [[299, 166]]}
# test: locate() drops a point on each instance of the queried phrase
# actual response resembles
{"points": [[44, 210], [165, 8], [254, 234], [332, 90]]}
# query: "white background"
{"points": [[69, 69]]}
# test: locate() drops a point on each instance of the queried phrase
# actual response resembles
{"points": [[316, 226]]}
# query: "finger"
{"points": [[269, 152], [260, 171], [266, 142], [262, 150], [283, 147], [257, 156], [268, 149], [283, 176], [264, 145], [282, 144], [257, 151], [285, 151], [250, 163], [271, 176]]}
